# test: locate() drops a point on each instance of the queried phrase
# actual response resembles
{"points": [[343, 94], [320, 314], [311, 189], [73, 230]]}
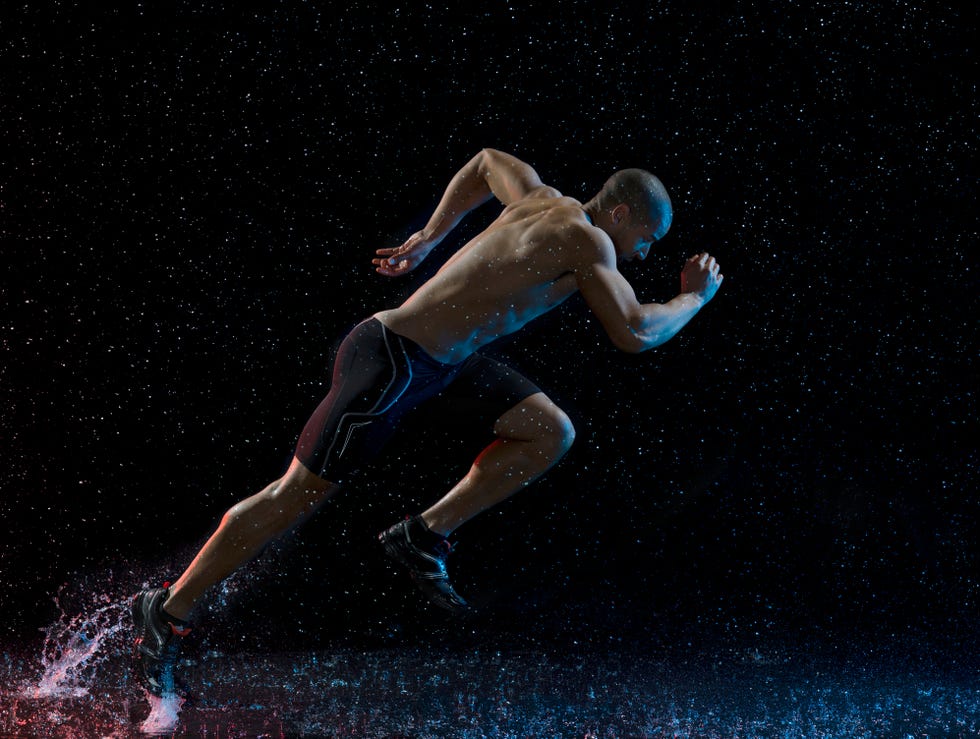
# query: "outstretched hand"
{"points": [[701, 275], [402, 259]]}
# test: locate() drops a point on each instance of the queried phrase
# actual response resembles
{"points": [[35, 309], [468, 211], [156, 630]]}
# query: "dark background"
{"points": [[190, 202]]}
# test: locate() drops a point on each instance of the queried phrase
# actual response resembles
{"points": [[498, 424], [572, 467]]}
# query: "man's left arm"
{"points": [[491, 173]]}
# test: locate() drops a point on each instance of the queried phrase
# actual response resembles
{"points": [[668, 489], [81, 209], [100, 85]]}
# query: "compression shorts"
{"points": [[378, 376]]}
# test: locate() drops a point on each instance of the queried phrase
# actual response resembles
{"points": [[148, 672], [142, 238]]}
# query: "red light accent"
{"points": [[179, 630]]}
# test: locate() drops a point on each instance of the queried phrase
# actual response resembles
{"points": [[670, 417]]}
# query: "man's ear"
{"points": [[620, 214]]}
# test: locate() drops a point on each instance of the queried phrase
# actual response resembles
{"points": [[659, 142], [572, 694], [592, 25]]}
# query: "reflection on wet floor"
{"points": [[77, 684]]}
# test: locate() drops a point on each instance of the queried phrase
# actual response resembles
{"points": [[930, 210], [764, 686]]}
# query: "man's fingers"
{"points": [[391, 262], [391, 269]]}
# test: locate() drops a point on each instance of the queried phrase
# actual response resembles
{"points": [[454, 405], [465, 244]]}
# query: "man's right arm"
{"points": [[634, 326], [490, 173]]}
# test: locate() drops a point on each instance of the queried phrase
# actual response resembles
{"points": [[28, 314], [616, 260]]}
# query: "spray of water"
{"points": [[76, 646], [84, 681], [164, 713], [78, 684]]}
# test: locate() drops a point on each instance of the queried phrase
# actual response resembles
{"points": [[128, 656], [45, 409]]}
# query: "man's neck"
{"points": [[589, 209]]}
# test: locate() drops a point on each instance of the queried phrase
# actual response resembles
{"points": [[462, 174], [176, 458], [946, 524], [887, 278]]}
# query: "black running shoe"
{"points": [[426, 565], [157, 640]]}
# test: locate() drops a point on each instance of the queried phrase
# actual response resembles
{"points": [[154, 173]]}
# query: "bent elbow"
{"points": [[628, 342], [634, 342], [486, 156]]}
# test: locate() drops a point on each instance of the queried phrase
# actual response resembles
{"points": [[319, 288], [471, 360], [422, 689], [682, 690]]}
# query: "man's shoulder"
{"points": [[544, 192], [579, 240], [549, 211]]}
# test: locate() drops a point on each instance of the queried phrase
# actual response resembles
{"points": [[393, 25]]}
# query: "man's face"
{"points": [[637, 238]]}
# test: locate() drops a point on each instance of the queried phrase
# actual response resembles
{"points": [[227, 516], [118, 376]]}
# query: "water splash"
{"points": [[78, 685], [73, 679], [164, 714], [84, 659], [75, 647]]}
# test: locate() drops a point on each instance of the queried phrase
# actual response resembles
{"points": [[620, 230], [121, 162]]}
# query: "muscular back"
{"points": [[515, 270]]}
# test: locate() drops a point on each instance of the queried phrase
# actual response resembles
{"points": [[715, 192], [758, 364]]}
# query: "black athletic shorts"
{"points": [[378, 376]]}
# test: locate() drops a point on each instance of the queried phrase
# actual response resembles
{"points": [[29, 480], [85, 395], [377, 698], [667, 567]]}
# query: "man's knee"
{"points": [[537, 419], [554, 433], [557, 433]]}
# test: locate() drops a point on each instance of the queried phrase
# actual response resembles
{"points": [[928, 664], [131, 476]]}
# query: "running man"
{"points": [[541, 249]]}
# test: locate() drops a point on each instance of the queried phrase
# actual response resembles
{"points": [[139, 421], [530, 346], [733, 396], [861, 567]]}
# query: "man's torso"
{"points": [[511, 273]]}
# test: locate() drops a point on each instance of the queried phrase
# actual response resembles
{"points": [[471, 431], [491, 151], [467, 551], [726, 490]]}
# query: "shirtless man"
{"points": [[541, 249]]}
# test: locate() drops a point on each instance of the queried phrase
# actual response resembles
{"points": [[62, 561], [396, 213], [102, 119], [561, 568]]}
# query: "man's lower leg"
{"points": [[501, 470], [160, 614], [241, 535], [244, 531], [532, 437], [420, 544]]}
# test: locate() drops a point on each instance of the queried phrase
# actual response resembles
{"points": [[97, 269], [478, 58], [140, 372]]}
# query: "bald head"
{"points": [[645, 195]]}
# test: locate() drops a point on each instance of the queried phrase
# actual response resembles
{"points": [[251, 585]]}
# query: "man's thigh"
{"points": [[485, 389]]}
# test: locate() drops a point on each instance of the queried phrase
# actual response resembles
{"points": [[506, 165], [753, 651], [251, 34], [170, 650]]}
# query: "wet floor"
{"points": [[75, 682]]}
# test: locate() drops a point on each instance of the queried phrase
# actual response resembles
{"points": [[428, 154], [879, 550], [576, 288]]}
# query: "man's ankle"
{"points": [[425, 536], [171, 610], [434, 526]]}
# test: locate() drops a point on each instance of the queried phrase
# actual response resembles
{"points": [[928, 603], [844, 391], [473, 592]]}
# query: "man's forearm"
{"points": [[657, 323], [467, 190]]}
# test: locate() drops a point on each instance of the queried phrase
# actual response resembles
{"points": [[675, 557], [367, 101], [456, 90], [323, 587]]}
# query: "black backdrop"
{"points": [[190, 201]]}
